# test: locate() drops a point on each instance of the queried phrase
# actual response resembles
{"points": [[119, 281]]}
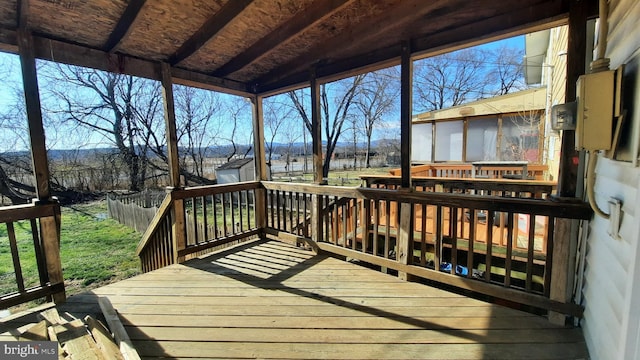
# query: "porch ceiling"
{"points": [[257, 46]]}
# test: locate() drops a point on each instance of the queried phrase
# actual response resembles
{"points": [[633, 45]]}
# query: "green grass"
{"points": [[348, 177], [94, 249]]}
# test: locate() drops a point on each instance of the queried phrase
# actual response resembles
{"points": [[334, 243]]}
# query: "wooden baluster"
{"points": [[278, 210], [194, 209], [327, 218], [298, 225], [530, 248], [214, 210], [387, 231], [354, 222], [454, 239], [473, 220], [376, 222], [507, 260], [40, 259], [365, 219], [205, 221], [17, 268], [423, 234], [489, 255], [345, 208], [549, 257], [240, 212], [225, 223], [232, 209]]}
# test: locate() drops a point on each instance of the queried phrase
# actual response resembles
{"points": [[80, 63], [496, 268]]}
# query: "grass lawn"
{"points": [[347, 177], [94, 249]]}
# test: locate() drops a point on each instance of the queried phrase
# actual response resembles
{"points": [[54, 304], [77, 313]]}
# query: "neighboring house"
{"points": [[611, 287], [545, 63], [506, 127], [235, 171]]}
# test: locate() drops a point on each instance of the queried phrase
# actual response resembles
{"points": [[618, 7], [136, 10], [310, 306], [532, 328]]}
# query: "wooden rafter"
{"points": [[512, 23], [210, 28], [361, 33], [317, 12], [124, 24]]}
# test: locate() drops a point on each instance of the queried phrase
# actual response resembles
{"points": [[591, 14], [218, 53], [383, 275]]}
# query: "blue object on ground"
{"points": [[460, 270]]}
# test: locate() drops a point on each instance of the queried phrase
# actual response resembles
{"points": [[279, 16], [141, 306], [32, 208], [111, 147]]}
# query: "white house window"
{"points": [[482, 138], [449, 140]]}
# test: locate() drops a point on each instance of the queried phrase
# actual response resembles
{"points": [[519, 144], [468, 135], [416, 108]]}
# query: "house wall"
{"points": [[611, 289], [554, 78]]}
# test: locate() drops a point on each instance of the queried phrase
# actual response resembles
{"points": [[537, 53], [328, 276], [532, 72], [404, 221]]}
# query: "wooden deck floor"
{"points": [[269, 300]]}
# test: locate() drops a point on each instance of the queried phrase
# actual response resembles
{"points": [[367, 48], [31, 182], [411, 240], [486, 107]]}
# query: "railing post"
{"points": [[560, 268], [50, 235], [405, 236], [179, 226]]}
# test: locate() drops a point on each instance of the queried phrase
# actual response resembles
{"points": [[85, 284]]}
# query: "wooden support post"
{"points": [[406, 78], [34, 115], [179, 230], [560, 268], [179, 223], [49, 226], [562, 274], [576, 66], [260, 163], [170, 123], [405, 238], [316, 130]]}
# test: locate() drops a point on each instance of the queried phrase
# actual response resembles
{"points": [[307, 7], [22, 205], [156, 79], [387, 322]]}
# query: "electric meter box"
{"points": [[594, 121]]}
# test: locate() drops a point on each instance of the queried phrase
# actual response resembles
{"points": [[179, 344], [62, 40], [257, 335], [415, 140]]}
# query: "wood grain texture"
{"points": [[267, 299]]}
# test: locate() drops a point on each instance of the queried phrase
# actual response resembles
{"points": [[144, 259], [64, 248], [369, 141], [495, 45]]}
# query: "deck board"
{"points": [[270, 300]]}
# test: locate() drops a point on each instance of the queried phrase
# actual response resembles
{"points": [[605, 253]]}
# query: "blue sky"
{"points": [[10, 74]]}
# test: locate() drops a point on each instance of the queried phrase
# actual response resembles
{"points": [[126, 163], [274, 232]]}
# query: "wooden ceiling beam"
{"points": [[210, 28], [73, 54], [124, 24], [314, 14]]}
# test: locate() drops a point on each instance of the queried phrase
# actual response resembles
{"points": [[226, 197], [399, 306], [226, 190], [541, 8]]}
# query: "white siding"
{"points": [[611, 291]]}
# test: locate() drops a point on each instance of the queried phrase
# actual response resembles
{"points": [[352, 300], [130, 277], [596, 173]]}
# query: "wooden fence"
{"points": [[131, 214]]}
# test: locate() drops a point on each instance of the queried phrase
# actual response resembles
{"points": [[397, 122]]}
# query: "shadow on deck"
{"points": [[270, 300]]}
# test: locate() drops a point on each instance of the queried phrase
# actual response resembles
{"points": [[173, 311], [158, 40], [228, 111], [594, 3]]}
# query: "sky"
{"points": [[10, 74]]}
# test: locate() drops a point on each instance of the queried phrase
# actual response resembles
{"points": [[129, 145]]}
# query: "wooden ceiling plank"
{"points": [[124, 24], [210, 28], [513, 23], [404, 12], [314, 14]]}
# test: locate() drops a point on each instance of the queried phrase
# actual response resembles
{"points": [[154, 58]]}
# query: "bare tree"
{"points": [[450, 79], [336, 106], [124, 110], [507, 70], [198, 130], [240, 135], [377, 98], [277, 122]]}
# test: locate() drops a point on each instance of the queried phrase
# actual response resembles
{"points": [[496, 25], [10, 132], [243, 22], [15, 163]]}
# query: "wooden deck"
{"points": [[270, 300]]}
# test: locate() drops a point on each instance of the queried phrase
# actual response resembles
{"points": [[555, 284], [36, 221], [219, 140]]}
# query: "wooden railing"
{"points": [[526, 189], [434, 235], [195, 220], [35, 249], [534, 171]]}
